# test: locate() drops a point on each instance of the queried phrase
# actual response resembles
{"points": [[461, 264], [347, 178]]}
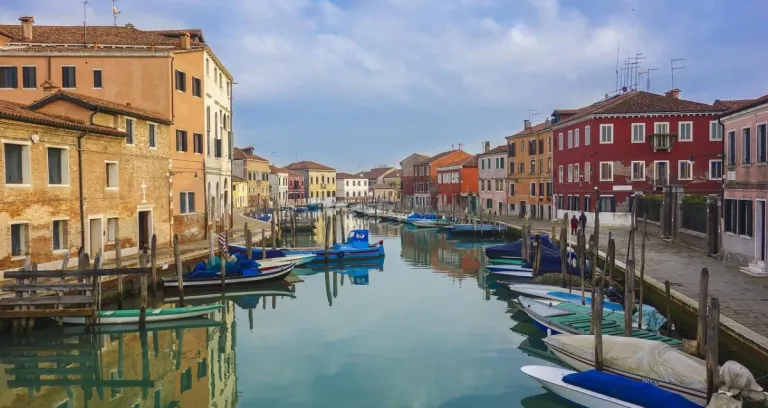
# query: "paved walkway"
{"points": [[743, 298]]}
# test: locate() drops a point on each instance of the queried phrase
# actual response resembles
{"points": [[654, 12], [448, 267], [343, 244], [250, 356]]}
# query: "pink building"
{"points": [[746, 185], [492, 174]]}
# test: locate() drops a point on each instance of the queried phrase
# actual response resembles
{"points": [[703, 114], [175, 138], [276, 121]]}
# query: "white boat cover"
{"points": [[737, 379], [647, 358], [723, 400]]}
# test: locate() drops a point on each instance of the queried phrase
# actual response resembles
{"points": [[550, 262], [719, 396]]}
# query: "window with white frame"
{"points": [[576, 138], [661, 128], [587, 171], [560, 174], [559, 141], [606, 171], [60, 235], [746, 145], [19, 238], [112, 179], [685, 131], [606, 134], [685, 170], [576, 172], [638, 171], [570, 139], [570, 173], [112, 229], [17, 163], [152, 134], [58, 166], [587, 137], [715, 169], [638, 133], [715, 131], [186, 202]]}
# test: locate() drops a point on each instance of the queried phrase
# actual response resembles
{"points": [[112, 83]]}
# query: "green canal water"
{"points": [[422, 328]]}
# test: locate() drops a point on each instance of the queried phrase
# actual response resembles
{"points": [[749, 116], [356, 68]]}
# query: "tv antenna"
{"points": [[648, 78], [85, 19], [674, 68], [532, 113], [636, 65], [115, 12]]}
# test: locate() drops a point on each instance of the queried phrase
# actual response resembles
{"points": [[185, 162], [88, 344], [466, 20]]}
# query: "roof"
{"points": [[376, 172], [641, 102], [471, 161], [22, 113], [395, 174], [246, 153], [536, 128], [746, 105], [308, 165], [496, 150], [342, 176], [237, 179], [419, 156], [94, 103], [732, 103], [275, 170], [292, 173], [101, 35], [439, 156]]}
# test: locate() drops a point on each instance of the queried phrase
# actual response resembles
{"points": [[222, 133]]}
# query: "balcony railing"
{"points": [[662, 141]]}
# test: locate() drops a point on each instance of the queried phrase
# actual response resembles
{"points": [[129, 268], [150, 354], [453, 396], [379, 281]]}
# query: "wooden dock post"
{"points": [[597, 324], [595, 245], [248, 244], [223, 260], [668, 306], [610, 263], [712, 358], [327, 232], [333, 220], [293, 227], [272, 230], [143, 310], [179, 267], [62, 281], [629, 295], [341, 224], [153, 261], [536, 256], [701, 328], [211, 246], [118, 264], [642, 271], [263, 244], [563, 255]]}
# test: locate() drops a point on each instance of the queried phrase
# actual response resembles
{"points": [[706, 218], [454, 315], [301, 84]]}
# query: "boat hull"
{"points": [[340, 255], [153, 315], [560, 294], [269, 275], [551, 378]]}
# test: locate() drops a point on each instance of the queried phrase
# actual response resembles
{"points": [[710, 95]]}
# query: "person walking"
{"points": [[583, 221], [574, 224]]}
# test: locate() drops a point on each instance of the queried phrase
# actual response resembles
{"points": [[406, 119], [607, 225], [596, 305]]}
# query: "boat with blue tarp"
{"points": [[238, 270], [514, 250], [357, 247]]}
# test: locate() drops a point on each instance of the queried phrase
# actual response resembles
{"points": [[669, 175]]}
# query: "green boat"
{"points": [[153, 315], [506, 261]]}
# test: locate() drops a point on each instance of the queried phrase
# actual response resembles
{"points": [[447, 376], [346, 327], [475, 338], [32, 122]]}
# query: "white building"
{"points": [[218, 133], [351, 188], [278, 185]]}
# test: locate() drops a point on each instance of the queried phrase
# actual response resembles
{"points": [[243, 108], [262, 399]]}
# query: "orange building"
{"points": [[530, 171], [425, 177], [160, 71], [456, 182]]}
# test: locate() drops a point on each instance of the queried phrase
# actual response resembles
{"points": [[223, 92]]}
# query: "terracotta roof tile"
{"points": [[101, 35], [471, 161], [308, 165], [395, 174], [22, 113], [94, 103], [275, 170], [496, 150], [438, 156], [246, 153], [534, 129], [343, 176], [731, 104], [377, 172], [750, 103]]}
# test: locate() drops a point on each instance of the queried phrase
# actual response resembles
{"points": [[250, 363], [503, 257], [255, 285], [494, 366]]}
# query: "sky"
{"points": [[358, 83]]}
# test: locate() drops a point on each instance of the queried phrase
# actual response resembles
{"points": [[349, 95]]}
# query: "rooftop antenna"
{"points": [[115, 12], [532, 113], [460, 144], [648, 77], [85, 18], [673, 68], [638, 60], [618, 46]]}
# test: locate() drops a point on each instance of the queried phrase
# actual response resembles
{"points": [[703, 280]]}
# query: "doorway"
{"points": [[96, 233], [145, 228], [661, 172], [760, 230]]}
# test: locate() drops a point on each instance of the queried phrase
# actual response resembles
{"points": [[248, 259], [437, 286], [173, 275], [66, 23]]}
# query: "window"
{"points": [[58, 166], [60, 235], [197, 143], [129, 131], [207, 67], [685, 131], [152, 134], [511, 189], [761, 143], [560, 174], [221, 81], [68, 79], [715, 131], [576, 172], [746, 146], [549, 189], [606, 134], [606, 171], [570, 173], [560, 141], [181, 81], [9, 77], [732, 148], [745, 218], [187, 202], [715, 169], [19, 239], [196, 87], [576, 138], [684, 170], [181, 140], [29, 77], [533, 166], [208, 128], [549, 164], [111, 229], [533, 189], [97, 79], [661, 127], [482, 164], [501, 162], [570, 139], [587, 171], [521, 167], [638, 171], [638, 133], [112, 175], [587, 137], [729, 215], [541, 165], [607, 204], [17, 163]]}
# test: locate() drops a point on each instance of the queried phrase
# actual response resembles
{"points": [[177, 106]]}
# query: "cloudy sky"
{"points": [[355, 83]]}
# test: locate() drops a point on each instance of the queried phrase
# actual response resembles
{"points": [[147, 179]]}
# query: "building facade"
{"points": [[239, 195], [457, 182], [407, 178], [746, 186], [319, 181], [530, 171], [278, 183], [295, 188], [351, 188], [492, 177], [425, 178], [636, 142], [384, 193], [78, 171], [256, 175]]}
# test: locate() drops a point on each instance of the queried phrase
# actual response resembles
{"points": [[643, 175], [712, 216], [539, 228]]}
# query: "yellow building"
{"points": [[256, 174], [239, 194], [319, 181], [530, 171]]}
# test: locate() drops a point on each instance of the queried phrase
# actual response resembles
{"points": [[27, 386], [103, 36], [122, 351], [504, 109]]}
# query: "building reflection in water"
{"points": [[176, 364]]}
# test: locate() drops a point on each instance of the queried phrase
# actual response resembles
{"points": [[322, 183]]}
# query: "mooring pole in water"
{"points": [[701, 333], [642, 270], [179, 271], [263, 244], [333, 220], [597, 324], [327, 232], [712, 360], [248, 244], [596, 243], [668, 305], [143, 310]]}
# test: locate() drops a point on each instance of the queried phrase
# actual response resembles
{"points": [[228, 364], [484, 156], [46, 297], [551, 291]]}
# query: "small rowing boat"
{"points": [[560, 294], [153, 315], [260, 272]]}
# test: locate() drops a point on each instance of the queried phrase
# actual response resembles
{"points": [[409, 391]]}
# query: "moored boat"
{"points": [[357, 247], [256, 273], [153, 315], [560, 294]]}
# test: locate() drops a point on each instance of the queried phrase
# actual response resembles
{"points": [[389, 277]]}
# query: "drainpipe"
{"points": [[80, 179]]}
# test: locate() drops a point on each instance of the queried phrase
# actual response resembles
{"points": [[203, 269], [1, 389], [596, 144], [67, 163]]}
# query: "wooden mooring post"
{"points": [[333, 220], [712, 355], [179, 267], [536, 256], [597, 324], [263, 244], [701, 327], [642, 271], [223, 261], [327, 238], [272, 230], [248, 244], [668, 306], [341, 224], [153, 262], [563, 254], [118, 264], [595, 246], [143, 310]]}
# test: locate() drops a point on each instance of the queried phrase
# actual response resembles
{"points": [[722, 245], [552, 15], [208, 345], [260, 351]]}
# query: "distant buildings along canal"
{"points": [[492, 173], [319, 181], [530, 171], [351, 188], [457, 184], [425, 177], [408, 179]]}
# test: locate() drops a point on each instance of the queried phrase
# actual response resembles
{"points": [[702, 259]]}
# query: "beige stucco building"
{"points": [[256, 170], [319, 181]]}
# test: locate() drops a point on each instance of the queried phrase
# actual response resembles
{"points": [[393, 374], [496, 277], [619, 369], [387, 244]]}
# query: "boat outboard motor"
{"points": [[613, 295]]}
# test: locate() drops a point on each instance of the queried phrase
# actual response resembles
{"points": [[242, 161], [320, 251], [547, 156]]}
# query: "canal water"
{"points": [[423, 327]]}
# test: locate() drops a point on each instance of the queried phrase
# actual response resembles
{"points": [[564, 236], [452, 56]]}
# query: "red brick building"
{"points": [[634, 142], [425, 178], [456, 181]]}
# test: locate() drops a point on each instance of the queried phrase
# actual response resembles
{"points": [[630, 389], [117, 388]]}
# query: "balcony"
{"points": [[662, 141], [217, 148]]}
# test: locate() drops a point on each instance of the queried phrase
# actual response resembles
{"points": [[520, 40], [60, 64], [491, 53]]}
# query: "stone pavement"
{"points": [[743, 298]]}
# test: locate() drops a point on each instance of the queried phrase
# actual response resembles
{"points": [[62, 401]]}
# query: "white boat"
{"points": [[425, 224], [153, 315], [517, 271], [551, 378], [299, 259], [561, 294]]}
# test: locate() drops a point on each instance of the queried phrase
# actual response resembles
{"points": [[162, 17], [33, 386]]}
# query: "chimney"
{"points": [[486, 147], [186, 41], [673, 93], [129, 25], [527, 124], [26, 27], [546, 122]]}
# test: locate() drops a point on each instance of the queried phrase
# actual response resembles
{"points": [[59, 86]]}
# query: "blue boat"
{"points": [[357, 247], [514, 250], [239, 271], [472, 229], [314, 207]]}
